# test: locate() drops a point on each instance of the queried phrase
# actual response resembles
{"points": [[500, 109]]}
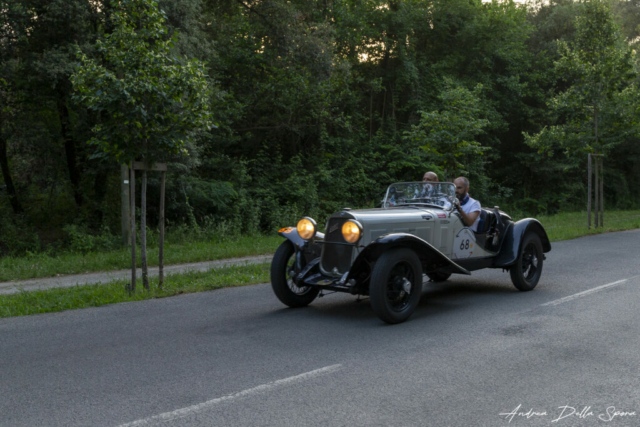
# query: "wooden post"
{"points": [[602, 191], [144, 167], [143, 231], [597, 199], [589, 191], [132, 191], [125, 204], [161, 249]]}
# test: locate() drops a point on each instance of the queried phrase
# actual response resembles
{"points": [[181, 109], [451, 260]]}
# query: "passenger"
{"points": [[468, 208]]}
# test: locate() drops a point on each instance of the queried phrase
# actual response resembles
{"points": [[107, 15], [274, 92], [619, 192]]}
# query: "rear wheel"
{"points": [[396, 285], [525, 273], [283, 269], [438, 277]]}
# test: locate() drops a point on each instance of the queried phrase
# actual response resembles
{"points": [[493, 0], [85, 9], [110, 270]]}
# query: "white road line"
{"points": [[179, 413], [587, 292]]}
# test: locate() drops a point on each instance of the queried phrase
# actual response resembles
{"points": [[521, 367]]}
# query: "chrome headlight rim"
{"points": [[315, 227], [360, 229]]}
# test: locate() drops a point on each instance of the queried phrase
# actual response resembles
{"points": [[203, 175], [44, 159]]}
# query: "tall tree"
{"points": [[449, 136], [599, 68], [151, 104]]}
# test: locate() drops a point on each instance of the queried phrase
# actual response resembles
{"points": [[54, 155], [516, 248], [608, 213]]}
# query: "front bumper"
{"points": [[311, 276]]}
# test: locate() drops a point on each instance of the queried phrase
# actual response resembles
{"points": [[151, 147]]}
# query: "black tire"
{"points": [[526, 272], [388, 290], [438, 277], [283, 286]]}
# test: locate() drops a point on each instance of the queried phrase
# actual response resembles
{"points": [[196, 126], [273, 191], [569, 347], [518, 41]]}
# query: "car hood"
{"points": [[400, 214]]}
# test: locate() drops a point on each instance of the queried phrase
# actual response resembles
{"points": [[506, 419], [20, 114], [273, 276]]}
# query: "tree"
{"points": [[598, 66], [589, 115], [6, 111], [151, 105], [448, 136]]}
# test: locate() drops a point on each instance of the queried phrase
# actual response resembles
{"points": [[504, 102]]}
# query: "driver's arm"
{"points": [[467, 218]]}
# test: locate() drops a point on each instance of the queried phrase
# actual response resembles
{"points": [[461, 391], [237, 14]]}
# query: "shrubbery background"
{"points": [[319, 105]]}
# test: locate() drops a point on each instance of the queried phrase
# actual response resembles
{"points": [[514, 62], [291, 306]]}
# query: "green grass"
{"points": [[46, 265], [34, 302], [570, 225]]}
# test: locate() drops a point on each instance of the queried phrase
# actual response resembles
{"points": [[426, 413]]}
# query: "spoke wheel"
{"points": [[396, 285], [526, 272], [283, 269]]}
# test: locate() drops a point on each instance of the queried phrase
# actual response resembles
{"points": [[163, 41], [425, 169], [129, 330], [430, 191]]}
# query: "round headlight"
{"points": [[351, 231], [306, 228]]}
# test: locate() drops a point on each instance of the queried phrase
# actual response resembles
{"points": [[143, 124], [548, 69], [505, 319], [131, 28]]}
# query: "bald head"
{"points": [[430, 177]]}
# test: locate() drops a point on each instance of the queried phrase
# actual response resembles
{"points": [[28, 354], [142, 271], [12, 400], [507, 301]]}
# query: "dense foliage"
{"points": [[319, 105]]}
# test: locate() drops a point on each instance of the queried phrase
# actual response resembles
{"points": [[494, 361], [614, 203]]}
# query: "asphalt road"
{"points": [[475, 349]]}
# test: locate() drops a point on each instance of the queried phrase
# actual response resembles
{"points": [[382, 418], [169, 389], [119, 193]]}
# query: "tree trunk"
{"points": [[161, 249], [602, 192], [132, 174], [143, 231], [589, 177], [6, 174], [125, 209], [597, 199], [595, 124], [70, 149]]}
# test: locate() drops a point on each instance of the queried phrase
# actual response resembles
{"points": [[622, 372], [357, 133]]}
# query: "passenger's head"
{"points": [[462, 187], [430, 177]]}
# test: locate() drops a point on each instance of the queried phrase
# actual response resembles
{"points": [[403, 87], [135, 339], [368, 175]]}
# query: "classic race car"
{"points": [[384, 252]]}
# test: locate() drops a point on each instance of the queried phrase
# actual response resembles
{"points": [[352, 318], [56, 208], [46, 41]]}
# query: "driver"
{"points": [[468, 208], [428, 189], [430, 177]]}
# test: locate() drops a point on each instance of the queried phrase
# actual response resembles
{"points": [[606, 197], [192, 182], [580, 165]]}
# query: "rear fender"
{"points": [[513, 238], [431, 258]]}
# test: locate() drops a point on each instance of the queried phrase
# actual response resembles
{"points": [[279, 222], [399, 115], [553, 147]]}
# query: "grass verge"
{"points": [[47, 301], [565, 226], [46, 265]]}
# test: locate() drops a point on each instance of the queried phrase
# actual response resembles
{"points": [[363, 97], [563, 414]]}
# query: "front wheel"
{"points": [[283, 268], [525, 273], [396, 285]]}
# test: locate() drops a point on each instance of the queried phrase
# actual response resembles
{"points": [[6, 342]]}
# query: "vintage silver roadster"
{"points": [[384, 252]]}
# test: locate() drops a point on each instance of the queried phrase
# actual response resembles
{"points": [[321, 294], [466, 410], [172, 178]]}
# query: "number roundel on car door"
{"points": [[464, 244]]}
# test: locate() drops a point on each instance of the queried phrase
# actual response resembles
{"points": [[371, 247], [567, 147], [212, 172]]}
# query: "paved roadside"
{"points": [[108, 276]]}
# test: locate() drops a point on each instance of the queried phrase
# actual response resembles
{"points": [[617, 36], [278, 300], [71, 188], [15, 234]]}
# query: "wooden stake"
{"points": [[597, 199], [143, 231], [601, 192], [132, 174], [125, 204], [589, 191], [161, 251]]}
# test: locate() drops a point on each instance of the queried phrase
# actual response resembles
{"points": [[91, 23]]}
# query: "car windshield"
{"points": [[440, 194]]}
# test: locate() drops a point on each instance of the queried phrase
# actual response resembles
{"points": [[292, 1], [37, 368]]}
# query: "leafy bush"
{"points": [[79, 239], [17, 237]]}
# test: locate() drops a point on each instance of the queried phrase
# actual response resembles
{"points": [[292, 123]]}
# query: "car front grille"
{"points": [[336, 254]]}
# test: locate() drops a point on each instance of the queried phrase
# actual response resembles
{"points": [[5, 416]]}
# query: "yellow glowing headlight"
{"points": [[306, 228], [351, 231]]}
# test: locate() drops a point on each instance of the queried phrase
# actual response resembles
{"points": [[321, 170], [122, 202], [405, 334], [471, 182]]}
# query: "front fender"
{"points": [[513, 240], [430, 257], [311, 249]]}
